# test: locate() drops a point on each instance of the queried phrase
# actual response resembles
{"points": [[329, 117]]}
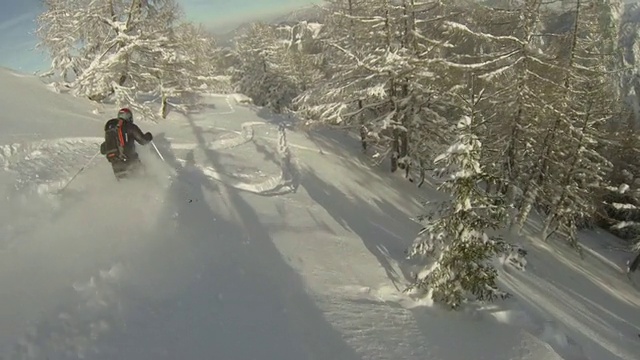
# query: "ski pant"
{"points": [[123, 169]]}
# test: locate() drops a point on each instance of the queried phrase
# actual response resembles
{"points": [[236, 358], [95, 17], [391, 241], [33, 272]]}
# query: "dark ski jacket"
{"points": [[130, 132]]}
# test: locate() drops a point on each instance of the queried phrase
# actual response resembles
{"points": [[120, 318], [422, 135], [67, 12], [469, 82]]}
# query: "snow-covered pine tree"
{"points": [[53, 23], [343, 41], [552, 151], [503, 41], [456, 231], [384, 84], [591, 101], [629, 44], [425, 100], [263, 74], [104, 37], [621, 199], [185, 68], [114, 47], [300, 60], [341, 17], [252, 49], [621, 206], [356, 83]]}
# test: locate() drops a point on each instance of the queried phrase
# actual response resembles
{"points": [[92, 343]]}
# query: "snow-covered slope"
{"points": [[249, 245]]}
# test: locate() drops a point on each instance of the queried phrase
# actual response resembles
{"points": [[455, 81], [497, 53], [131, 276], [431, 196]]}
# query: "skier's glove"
{"points": [[148, 136]]}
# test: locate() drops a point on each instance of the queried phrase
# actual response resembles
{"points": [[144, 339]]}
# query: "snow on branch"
{"points": [[126, 46]]}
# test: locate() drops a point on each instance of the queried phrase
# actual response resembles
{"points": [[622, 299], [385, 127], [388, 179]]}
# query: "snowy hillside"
{"points": [[247, 244]]}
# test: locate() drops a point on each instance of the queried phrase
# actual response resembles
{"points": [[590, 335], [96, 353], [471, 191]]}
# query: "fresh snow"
{"points": [[244, 245]]}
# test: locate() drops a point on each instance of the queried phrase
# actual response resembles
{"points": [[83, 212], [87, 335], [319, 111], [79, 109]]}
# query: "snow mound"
{"points": [[95, 313], [549, 332], [474, 332], [245, 136], [271, 186], [45, 166], [241, 99], [51, 116]]}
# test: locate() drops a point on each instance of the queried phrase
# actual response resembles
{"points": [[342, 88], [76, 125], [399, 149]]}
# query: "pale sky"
{"points": [[17, 24]]}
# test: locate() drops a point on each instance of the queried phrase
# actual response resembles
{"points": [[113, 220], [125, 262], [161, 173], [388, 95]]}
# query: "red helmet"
{"points": [[125, 114]]}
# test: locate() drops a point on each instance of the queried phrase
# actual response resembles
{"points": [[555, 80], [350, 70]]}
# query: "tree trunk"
{"points": [[363, 128], [164, 109], [529, 198], [394, 151], [556, 204]]}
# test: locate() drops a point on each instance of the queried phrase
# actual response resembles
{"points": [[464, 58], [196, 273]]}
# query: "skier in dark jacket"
{"points": [[119, 146]]}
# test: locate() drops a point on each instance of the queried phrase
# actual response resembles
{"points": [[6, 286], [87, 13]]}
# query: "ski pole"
{"points": [[157, 151], [79, 171]]}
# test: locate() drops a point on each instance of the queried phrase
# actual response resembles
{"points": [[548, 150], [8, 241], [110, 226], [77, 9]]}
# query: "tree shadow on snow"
{"points": [[386, 235], [348, 150], [213, 284], [207, 282], [289, 121], [347, 146], [343, 142], [324, 137], [290, 172], [599, 305]]}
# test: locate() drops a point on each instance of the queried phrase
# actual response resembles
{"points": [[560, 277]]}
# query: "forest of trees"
{"points": [[134, 52], [530, 106]]}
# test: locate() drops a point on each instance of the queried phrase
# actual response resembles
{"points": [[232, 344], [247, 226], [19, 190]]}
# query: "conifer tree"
{"points": [[456, 232], [589, 99], [120, 49]]}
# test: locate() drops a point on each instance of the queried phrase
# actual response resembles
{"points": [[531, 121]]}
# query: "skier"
{"points": [[119, 146]]}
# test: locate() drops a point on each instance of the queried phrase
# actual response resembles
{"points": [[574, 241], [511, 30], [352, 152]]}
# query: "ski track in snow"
{"points": [[407, 316], [40, 166], [41, 169], [273, 185]]}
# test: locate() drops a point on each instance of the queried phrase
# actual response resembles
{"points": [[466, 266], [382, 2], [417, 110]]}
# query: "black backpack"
{"points": [[115, 140]]}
